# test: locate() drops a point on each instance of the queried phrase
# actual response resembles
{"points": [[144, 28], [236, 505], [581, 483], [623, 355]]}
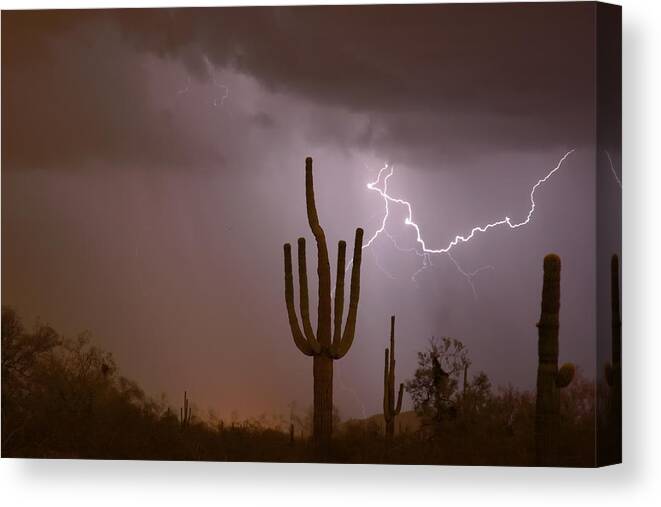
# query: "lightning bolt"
{"points": [[610, 162], [185, 89], [427, 263], [426, 259], [380, 185], [219, 101], [378, 264], [386, 200], [469, 275]]}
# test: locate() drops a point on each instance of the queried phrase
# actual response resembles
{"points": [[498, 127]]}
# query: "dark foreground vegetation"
{"points": [[64, 398]]}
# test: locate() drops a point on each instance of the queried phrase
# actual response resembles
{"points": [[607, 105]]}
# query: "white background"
{"points": [[636, 482]]}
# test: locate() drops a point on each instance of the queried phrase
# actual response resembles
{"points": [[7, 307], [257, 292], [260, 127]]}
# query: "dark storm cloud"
{"points": [[74, 93], [473, 73], [445, 80], [466, 58]]}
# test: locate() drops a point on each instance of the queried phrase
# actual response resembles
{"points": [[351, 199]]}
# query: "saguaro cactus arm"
{"points": [[300, 341], [386, 385], [323, 264], [390, 409], [303, 288], [565, 375], [339, 293], [342, 347], [398, 408]]}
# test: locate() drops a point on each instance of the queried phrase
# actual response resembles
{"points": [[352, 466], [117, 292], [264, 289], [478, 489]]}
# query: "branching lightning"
{"points": [[469, 275], [380, 185], [427, 263]]}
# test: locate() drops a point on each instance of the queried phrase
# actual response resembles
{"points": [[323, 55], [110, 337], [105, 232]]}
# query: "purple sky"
{"points": [[152, 168]]}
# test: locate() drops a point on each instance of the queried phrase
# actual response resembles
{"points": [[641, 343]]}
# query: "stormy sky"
{"points": [[153, 166]]}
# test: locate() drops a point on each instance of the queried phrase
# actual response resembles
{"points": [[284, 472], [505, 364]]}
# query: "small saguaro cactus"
{"points": [[185, 413], [549, 378], [390, 410], [324, 346], [614, 368]]}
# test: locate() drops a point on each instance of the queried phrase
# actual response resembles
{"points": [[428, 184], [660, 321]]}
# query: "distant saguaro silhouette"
{"points": [[549, 378], [390, 410], [322, 346], [185, 413]]}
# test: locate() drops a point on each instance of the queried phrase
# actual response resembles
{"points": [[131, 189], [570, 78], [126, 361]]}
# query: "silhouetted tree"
{"points": [[434, 385], [476, 396], [23, 355]]}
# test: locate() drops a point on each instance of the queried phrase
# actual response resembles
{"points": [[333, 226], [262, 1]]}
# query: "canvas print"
{"points": [[383, 234]]}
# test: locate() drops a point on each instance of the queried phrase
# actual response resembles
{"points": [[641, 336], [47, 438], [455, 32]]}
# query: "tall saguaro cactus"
{"points": [[390, 410], [549, 378], [324, 346], [614, 368]]}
